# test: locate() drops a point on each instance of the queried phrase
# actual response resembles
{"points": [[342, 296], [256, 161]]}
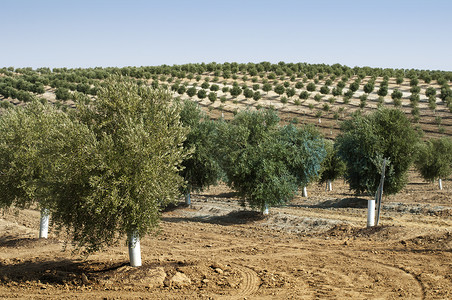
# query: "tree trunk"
{"points": [[265, 211], [305, 192], [329, 185], [134, 249], [440, 184], [44, 224], [371, 213], [188, 198]]}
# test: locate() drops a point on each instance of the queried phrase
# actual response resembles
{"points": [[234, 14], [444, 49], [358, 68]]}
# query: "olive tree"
{"points": [[279, 89], [366, 140], [267, 87], [191, 91], [434, 159], [235, 91], [202, 94], [369, 87], [32, 139], [311, 87], [201, 169], [129, 174], [332, 166], [267, 163], [248, 93], [212, 96]]}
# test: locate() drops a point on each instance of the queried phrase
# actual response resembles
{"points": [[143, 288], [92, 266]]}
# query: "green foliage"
{"points": [[62, 94], [432, 102], [336, 91], [354, 86], [430, 91], [181, 89], [257, 95], [362, 100], [332, 166], [205, 85], [191, 91], [290, 92], [414, 82], [5, 104], [131, 171], [366, 140], [341, 85], [214, 87], [304, 95], [310, 87], [369, 87], [267, 163], [212, 96], [201, 169], [279, 89], [415, 89], [324, 90], [267, 87], [396, 94], [383, 90], [248, 93], [446, 92], [32, 139], [235, 91], [202, 94], [348, 94], [434, 159], [415, 98]]}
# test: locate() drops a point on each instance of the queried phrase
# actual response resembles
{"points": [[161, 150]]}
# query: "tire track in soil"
{"points": [[321, 286], [415, 277], [250, 283]]}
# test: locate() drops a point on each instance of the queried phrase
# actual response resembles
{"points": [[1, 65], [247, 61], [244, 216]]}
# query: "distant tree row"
{"points": [[228, 69]]}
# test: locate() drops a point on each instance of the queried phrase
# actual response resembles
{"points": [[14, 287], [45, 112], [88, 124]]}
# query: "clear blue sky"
{"points": [[88, 33]]}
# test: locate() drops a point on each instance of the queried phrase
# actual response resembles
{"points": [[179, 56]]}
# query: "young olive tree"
{"points": [[32, 141], [279, 89], [434, 159], [332, 167], [267, 163], [201, 169], [366, 140], [131, 172]]}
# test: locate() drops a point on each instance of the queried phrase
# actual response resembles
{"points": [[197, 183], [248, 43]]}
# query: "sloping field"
{"points": [[323, 107], [315, 247]]}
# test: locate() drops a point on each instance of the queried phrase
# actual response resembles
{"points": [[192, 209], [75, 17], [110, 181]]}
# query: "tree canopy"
{"points": [[434, 159], [201, 168], [104, 170], [367, 139], [267, 163]]}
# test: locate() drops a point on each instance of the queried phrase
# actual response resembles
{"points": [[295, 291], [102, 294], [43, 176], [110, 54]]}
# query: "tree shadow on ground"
{"points": [[353, 202], [232, 218], [15, 242]]}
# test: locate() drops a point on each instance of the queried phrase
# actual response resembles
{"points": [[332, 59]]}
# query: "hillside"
{"points": [[301, 93]]}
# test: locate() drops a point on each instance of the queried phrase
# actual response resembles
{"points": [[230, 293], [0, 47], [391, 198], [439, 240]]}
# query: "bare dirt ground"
{"points": [[315, 247]]}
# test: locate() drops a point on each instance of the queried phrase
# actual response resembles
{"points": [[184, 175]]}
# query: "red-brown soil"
{"points": [[315, 247]]}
